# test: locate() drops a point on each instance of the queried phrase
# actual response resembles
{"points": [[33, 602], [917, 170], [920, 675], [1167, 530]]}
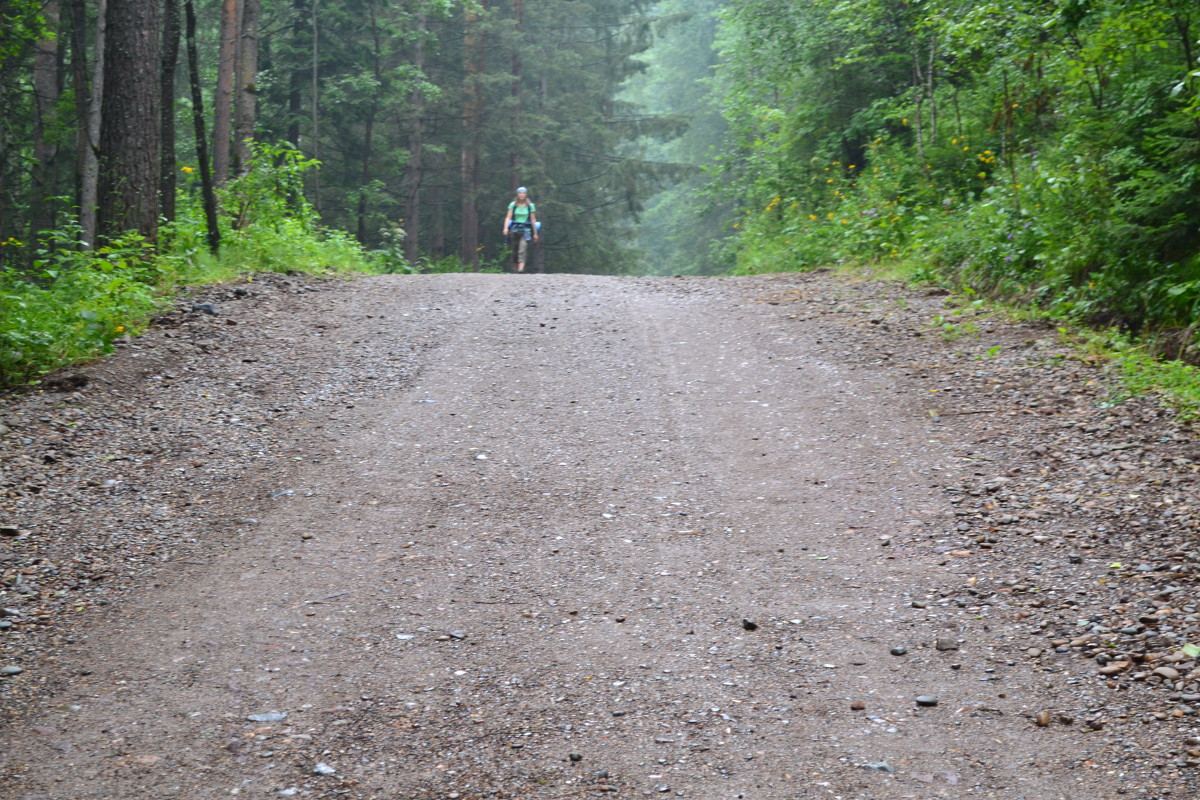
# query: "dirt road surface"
{"points": [[585, 537]]}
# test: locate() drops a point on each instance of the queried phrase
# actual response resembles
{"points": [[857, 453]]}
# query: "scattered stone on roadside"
{"points": [[1034, 652], [576, 756], [9, 530], [12, 669], [945, 643], [270, 716], [858, 705], [324, 769], [749, 625], [1042, 719], [207, 308], [899, 650], [1167, 673], [881, 766], [927, 700], [459, 635]]}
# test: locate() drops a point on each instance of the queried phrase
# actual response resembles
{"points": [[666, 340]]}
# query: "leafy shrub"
{"points": [[72, 302]]}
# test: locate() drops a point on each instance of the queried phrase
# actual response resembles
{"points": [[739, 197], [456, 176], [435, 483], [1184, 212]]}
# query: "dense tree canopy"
{"points": [[424, 114]]}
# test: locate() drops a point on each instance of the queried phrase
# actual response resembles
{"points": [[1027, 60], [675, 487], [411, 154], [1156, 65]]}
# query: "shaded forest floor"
{"points": [[551, 536]]}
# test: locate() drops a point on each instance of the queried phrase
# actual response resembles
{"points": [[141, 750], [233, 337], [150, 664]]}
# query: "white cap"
{"points": [[522, 189]]}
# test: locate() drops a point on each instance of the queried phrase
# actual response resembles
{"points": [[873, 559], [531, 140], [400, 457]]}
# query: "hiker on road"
{"points": [[520, 227]]}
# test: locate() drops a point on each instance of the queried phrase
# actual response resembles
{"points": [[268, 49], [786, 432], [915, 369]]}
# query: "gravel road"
{"points": [[468, 536]]}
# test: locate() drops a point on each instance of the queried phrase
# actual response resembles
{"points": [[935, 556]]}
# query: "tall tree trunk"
{"points": [[206, 181], [297, 78], [438, 204], [538, 262], [316, 98], [79, 87], [170, 59], [369, 129], [930, 76], [413, 169], [223, 99], [514, 156], [129, 139], [89, 168], [919, 88], [45, 148], [246, 97], [472, 139]]}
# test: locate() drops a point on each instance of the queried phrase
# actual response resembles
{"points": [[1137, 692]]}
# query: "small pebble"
{"points": [[899, 650], [927, 700], [576, 756], [749, 625], [11, 670], [858, 705], [1042, 719], [323, 769], [945, 643]]}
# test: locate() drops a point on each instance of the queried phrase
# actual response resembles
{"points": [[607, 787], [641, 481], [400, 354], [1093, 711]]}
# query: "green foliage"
{"points": [[1047, 157], [71, 306], [21, 24], [1175, 381], [72, 303]]}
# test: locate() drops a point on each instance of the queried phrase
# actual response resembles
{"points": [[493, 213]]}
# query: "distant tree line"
{"points": [[424, 114]]}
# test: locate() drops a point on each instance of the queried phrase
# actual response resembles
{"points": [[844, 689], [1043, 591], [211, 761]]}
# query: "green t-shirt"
{"points": [[521, 213]]}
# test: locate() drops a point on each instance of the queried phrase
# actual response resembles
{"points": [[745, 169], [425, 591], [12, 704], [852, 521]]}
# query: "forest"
{"points": [[1044, 153]]}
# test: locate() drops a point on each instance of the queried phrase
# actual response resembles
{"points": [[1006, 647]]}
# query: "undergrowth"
{"points": [[62, 302]]}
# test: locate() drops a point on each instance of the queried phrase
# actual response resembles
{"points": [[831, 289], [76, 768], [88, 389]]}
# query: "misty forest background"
{"points": [[1041, 152]]}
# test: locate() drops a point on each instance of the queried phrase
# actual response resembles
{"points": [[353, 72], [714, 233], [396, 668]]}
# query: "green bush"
{"points": [[70, 302]]}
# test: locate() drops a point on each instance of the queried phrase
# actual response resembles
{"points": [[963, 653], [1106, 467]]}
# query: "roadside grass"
{"points": [[72, 304], [63, 303]]}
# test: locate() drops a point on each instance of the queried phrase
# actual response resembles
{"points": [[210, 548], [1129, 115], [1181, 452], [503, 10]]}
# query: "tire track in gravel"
{"points": [[528, 575]]}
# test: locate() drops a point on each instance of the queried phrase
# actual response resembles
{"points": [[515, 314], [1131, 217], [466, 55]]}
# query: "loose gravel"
{"points": [[556, 536]]}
